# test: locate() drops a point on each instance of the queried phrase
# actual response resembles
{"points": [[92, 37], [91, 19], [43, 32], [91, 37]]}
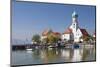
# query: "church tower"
{"points": [[74, 25]]}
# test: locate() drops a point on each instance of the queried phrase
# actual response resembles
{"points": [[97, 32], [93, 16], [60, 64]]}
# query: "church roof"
{"points": [[84, 32], [68, 31], [74, 14]]}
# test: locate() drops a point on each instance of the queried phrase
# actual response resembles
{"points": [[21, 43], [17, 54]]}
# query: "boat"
{"points": [[29, 49]]}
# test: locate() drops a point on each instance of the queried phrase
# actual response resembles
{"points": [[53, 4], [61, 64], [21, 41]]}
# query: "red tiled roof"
{"points": [[45, 32], [84, 32], [68, 31], [56, 33]]}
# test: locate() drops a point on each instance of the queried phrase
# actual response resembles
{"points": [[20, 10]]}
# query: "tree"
{"points": [[87, 38], [45, 40], [36, 38], [52, 38]]}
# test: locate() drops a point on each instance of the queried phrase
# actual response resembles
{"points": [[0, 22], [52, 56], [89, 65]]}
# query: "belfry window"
{"points": [[74, 25]]}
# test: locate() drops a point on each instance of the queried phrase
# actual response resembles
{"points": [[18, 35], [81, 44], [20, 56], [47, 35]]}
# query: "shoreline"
{"points": [[32, 46]]}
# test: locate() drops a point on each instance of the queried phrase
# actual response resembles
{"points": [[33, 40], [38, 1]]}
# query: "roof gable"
{"points": [[46, 32], [84, 32]]}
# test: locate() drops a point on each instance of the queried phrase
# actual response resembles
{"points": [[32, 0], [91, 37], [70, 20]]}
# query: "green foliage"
{"points": [[45, 40], [51, 38], [87, 38], [36, 38]]}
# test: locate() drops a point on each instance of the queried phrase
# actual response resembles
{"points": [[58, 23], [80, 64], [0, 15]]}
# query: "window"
{"points": [[73, 25]]}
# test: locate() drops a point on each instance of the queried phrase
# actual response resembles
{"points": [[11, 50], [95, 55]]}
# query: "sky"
{"points": [[29, 18]]}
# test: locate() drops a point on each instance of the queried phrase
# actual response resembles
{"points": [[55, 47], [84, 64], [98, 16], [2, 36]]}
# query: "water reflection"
{"points": [[54, 55]]}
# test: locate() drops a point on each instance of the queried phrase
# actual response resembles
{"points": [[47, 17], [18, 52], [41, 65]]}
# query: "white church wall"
{"points": [[78, 35], [66, 36]]}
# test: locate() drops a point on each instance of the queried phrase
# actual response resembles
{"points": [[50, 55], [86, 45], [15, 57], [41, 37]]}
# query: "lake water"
{"points": [[52, 55]]}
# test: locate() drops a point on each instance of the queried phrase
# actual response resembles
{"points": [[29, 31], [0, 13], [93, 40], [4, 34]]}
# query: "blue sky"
{"points": [[32, 18]]}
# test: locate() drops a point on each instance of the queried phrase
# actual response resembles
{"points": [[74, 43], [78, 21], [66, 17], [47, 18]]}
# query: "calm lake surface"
{"points": [[52, 55]]}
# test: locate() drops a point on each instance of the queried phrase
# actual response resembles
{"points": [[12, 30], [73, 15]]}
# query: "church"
{"points": [[74, 32]]}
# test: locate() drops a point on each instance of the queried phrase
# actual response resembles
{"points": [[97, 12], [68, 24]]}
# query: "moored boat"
{"points": [[29, 49]]}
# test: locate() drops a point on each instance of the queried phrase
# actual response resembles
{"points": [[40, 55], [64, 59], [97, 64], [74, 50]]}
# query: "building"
{"points": [[46, 32], [74, 32], [68, 35]]}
